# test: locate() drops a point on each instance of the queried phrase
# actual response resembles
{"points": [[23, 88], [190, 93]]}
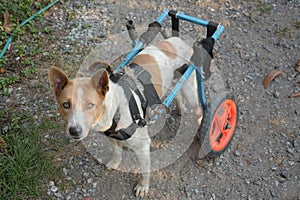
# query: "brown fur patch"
{"points": [[167, 48], [91, 96], [149, 63]]}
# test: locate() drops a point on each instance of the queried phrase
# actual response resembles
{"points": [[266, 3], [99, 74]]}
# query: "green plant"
{"points": [[25, 164], [28, 72], [6, 81], [265, 8]]}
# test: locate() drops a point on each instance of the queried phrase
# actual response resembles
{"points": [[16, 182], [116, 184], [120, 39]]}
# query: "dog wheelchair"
{"points": [[220, 115]]}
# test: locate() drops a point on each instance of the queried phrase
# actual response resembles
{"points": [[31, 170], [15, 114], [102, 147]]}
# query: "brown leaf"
{"points": [[270, 77], [8, 25], [2, 70], [297, 94], [3, 146], [297, 66]]}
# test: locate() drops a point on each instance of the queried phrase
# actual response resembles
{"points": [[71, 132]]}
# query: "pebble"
{"points": [[291, 163], [237, 153], [290, 150], [284, 174], [54, 189], [58, 195], [254, 53]]}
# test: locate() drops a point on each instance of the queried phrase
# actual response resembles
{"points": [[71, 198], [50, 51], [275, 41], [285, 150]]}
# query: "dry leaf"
{"points": [[297, 66], [3, 145], [270, 78], [297, 94], [2, 70], [8, 25]]}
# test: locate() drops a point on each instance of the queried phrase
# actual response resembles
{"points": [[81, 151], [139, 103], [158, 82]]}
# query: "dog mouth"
{"points": [[77, 138], [76, 133]]}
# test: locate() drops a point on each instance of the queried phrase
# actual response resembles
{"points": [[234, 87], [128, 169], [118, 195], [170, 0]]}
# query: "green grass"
{"points": [[25, 164], [5, 82]]}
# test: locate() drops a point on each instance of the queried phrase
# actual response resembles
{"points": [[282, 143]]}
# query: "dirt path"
{"points": [[263, 159]]}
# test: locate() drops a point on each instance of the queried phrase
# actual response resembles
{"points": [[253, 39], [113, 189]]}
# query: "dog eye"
{"points": [[66, 105], [90, 105]]}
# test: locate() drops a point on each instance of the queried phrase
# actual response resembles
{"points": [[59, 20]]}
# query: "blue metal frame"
{"points": [[138, 45]]}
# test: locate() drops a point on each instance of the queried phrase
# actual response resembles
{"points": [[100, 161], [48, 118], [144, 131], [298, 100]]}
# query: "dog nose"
{"points": [[75, 131]]}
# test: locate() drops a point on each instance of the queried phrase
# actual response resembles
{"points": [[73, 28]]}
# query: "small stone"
{"points": [[237, 153], [89, 181], [58, 195], [94, 185], [276, 94], [290, 150], [291, 163], [284, 174], [51, 183], [272, 193], [54, 189]]}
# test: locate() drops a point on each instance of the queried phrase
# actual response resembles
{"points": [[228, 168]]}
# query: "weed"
{"points": [[265, 8], [70, 15], [6, 81], [25, 164], [28, 72]]}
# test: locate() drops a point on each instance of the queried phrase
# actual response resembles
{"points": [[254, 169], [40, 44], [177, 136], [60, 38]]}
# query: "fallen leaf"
{"points": [[297, 66], [297, 94], [8, 25], [270, 77], [2, 70], [3, 146]]}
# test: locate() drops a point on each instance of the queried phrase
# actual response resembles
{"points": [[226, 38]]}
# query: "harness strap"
{"points": [[144, 77], [121, 134], [128, 85]]}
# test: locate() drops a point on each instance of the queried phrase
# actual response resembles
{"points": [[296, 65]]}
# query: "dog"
{"points": [[90, 103]]}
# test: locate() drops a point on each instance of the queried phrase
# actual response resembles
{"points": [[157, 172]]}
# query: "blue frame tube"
{"points": [[191, 19], [138, 45], [178, 85], [218, 32]]}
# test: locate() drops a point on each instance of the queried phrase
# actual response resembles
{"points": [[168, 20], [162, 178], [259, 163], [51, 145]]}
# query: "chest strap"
{"points": [[121, 134], [129, 86]]}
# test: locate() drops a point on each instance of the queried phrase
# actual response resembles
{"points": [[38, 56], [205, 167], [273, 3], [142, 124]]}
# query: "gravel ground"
{"points": [[263, 159]]}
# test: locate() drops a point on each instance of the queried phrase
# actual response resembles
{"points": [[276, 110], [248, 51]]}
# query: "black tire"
{"points": [[206, 150]]}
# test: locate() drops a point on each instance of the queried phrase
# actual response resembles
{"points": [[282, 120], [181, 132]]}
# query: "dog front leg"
{"points": [[142, 187], [116, 156]]}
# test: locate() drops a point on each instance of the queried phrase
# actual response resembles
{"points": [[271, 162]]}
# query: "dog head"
{"points": [[80, 101]]}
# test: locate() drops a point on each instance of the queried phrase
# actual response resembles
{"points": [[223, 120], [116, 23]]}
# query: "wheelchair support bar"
{"points": [[131, 30], [214, 30], [175, 23], [178, 86], [153, 29]]}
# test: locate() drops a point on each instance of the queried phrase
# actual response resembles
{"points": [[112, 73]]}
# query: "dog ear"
{"points": [[100, 81], [58, 80]]}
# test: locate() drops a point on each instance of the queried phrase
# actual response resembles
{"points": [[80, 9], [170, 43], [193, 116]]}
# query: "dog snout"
{"points": [[75, 132]]}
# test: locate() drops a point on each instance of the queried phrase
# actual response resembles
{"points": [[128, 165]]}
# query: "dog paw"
{"points": [[141, 190], [111, 165]]}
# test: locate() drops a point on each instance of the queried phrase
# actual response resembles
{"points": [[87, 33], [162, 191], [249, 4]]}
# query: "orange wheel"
{"points": [[223, 125], [218, 125]]}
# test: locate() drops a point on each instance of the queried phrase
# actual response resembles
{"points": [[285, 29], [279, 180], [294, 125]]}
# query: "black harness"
{"points": [[149, 98]]}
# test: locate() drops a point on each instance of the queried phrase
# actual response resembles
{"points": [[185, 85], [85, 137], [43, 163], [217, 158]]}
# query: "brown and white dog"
{"points": [[90, 103]]}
